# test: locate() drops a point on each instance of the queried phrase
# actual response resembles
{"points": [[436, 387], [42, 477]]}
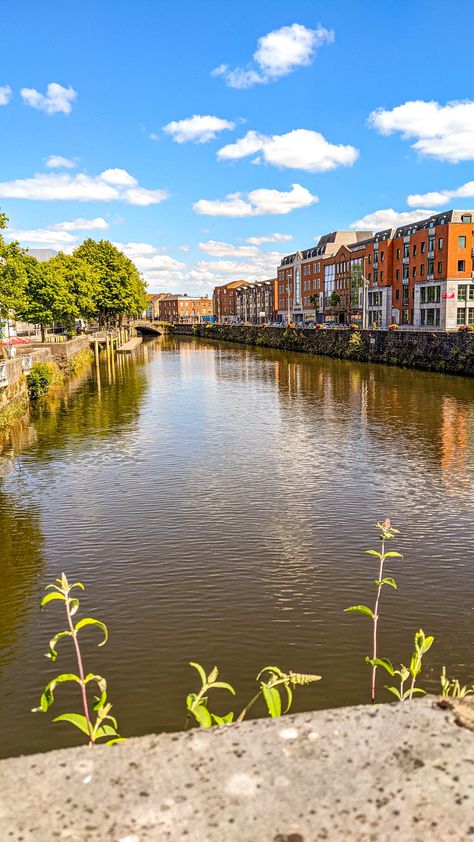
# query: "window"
{"points": [[405, 272], [405, 317], [423, 295], [470, 315], [381, 277], [431, 241], [423, 317], [471, 293], [397, 274], [405, 293], [422, 269], [430, 267], [423, 247], [319, 267], [466, 218], [461, 316], [462, 292], [397, 294], [440, 267], [461, 242], [382, 256], [440, 242], [406, 250], [461, 265], [414, 250], [414, 272], [398, 254], [370, 259]]}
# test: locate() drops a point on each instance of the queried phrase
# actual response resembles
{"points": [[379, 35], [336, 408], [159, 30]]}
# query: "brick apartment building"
{"points": [[225, 301], [255, 302], [185, 308], [420, 274]]}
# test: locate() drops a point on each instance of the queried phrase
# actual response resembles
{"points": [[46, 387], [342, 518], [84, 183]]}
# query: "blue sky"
{"points": [[140, 122]]}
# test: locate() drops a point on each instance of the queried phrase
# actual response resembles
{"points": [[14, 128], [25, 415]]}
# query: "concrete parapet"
{"points": [[394, 773], [434, 351]]}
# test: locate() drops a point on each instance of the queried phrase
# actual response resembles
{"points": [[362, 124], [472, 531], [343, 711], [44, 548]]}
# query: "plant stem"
{"points": [[376, 620], [81, 671], [412, 685], [248, 706]]}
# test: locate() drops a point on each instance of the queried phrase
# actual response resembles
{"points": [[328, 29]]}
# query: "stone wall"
{"points": [[434, 351], [63, 352], [396, 772], [13, 395]]}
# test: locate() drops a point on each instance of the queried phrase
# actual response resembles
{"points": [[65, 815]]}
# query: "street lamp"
{"points": [[288, 290]]}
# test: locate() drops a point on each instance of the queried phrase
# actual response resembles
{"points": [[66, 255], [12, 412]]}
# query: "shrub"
{"points": [[40, 378]]}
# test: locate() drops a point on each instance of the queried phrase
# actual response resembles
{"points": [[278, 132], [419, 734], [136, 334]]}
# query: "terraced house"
{"points": [[420, 275]]}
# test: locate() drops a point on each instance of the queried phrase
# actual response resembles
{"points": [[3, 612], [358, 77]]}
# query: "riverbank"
{"points": [[395, 772], [452, 353]]}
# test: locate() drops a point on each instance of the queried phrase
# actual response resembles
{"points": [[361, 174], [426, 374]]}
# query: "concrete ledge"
{"points": [[395, 773]]}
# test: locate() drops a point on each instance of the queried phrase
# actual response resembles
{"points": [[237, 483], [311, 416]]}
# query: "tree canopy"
{"points": [[121, 289]]}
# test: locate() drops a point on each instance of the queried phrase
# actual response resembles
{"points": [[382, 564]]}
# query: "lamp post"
{"points": [[288, 290]]}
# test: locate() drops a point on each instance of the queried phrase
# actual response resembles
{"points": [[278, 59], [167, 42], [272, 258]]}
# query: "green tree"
{"points": [[12, 274], [47, 297], [314, 300], [81, 281], [121, 289]]}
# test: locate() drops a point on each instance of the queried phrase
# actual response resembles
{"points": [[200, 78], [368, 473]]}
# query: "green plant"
{"points": [[271, 686], [355, 346], [422, 645], [451, 687], [105, 725], [40, 379], [386, 533]]}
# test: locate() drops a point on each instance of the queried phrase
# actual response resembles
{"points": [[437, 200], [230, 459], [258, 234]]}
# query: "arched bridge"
{"points": [[152, 328]]}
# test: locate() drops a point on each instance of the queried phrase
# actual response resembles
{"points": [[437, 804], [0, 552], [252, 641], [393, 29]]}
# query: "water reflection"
{"points": [[217, 501]]}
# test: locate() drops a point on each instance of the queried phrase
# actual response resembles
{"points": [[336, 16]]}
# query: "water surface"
{"points": [[217, 501]]}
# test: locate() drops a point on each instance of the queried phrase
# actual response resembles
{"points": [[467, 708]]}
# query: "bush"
{"points": [[40, 378], [393, 326]]}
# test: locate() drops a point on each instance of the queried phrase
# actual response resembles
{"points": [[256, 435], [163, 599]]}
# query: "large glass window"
{"points": [[462, 292], [461, 242], [461, 316]]}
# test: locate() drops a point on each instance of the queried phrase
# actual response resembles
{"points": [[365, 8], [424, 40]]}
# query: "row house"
{"points": [[314, 285], [420, 274], [256, 302], [225, 301], [185, 308]]}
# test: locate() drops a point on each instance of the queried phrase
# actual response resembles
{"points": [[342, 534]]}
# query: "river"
{"points": [[216, 501]]}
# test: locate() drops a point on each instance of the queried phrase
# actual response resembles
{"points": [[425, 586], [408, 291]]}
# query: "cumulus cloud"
{"points": [[80, 224], [301, 149], [109, 186], [199, 128], [257, 202], [270, 238], [278, 53], [445, 132], [217, 249], [57, 162], [442, 197], [150, 259], [5, 94], [389, 218], [46, 237], [56, 100]]}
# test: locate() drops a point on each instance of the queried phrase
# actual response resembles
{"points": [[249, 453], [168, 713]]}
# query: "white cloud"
{"points": [[80, 224], [43, 236], [278, 53], [271, 238], [217, 249], [389, 218], [257, 202], [299, 149], [56, 100], [56, 162], [5, 94], [150, 259], [109, 186], [443, 131], [442, 197], [184, 248], [198, 128]]}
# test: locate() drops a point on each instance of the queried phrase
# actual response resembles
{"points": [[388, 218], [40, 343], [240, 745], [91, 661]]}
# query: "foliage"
{"points": [[120, 288], [81, 359], [40, 378], [355, 346], [47, 297], [272, 680], [422, 645], [386, 533], [334, 299], [12, 274], [105, 725], [452, 688]]}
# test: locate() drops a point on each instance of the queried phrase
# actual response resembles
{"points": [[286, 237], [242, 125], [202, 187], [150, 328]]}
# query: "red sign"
{"points": [[448, 295]]}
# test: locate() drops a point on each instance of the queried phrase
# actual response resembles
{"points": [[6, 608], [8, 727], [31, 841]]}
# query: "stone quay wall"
{"points": [[13, 390], [386, 773], [451, 353]]}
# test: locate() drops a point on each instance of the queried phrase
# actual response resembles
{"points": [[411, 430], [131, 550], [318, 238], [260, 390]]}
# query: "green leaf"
{"points": [[428, 644], [203, 716], [50, 596], [393, 554], [272, 699], [117, 740], [47, 696], [77, 585], [373, 552], [289, 694], [229, 717], [76, 719], [387, 581], [89, 621], [407, 694], [395, 691], [105, 731], [224, 686], [385, 663], [202, 674], [275, 670], [361, 609], [73, 605], [211, 678], [52, 654]]}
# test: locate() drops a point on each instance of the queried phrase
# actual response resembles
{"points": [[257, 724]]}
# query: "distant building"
{"points": [[225, 301], [187, 309], [152, 313], [255, 302], [42, 254]]}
